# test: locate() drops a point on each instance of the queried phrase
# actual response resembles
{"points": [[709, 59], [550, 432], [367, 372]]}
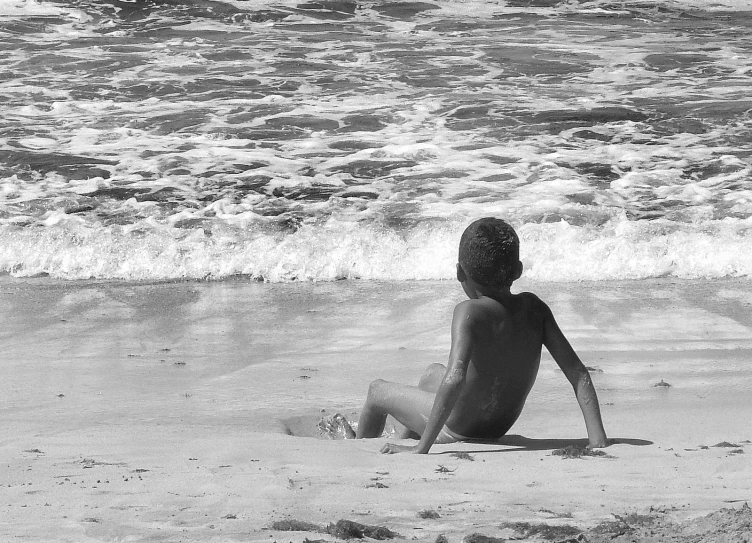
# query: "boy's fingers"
{"points": [[392, 448], [387, 449]]}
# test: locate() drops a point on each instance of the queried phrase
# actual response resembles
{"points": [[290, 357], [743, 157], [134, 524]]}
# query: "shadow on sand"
{"points": [[516, 443]]}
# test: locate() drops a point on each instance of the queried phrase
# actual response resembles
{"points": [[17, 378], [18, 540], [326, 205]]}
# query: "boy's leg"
{"points": [[429, 381], [411, 406]]}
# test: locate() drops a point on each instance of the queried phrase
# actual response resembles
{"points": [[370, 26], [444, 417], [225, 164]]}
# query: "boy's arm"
{"points": [[578, 376], [451, 386]]}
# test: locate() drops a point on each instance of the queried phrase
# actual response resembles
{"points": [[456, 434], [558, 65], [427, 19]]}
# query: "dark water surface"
{"points": [[323, 140]]}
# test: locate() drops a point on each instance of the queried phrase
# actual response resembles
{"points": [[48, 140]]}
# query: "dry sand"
{"points": [[159, 412]]}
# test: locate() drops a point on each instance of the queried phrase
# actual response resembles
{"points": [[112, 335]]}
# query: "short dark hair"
{"points": [[489, 252]]}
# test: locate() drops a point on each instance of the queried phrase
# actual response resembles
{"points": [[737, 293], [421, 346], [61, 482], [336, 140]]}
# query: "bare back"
{"points": [[506, 348]]}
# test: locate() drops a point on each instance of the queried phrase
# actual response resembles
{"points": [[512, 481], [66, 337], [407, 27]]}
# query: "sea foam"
{"points": [[344, 250]]}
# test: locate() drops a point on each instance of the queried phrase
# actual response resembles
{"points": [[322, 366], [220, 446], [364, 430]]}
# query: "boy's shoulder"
{"points": [[534, 304], [532, 298], [523, 301]]}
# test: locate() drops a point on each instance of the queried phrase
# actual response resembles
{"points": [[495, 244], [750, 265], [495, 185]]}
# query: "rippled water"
{"points": [[329, 139]]}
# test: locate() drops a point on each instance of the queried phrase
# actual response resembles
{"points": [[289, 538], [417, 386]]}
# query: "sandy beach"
{"points": [[163, 412]]}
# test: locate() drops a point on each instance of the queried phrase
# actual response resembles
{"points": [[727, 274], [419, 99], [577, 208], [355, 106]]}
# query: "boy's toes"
{"points": [[336, 427]]}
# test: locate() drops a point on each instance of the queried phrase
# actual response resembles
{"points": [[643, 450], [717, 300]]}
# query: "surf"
{"points": [[328, 140]]}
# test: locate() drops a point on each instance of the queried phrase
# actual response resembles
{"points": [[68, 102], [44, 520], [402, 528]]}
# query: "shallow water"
{"points": [[327, 140]]}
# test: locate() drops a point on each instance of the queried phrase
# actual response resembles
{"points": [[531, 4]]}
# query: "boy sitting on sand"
{"points": [[496, 347]]}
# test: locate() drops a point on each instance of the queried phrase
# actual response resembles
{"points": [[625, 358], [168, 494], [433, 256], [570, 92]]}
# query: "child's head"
{"points": [[490, 253]]}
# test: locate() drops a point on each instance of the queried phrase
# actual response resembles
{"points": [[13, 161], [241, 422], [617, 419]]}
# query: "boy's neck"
{"points": [[474, 290], [498, 294]]}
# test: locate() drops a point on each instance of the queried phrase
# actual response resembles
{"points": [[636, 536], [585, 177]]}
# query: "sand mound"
{"points": [[724, 526]]}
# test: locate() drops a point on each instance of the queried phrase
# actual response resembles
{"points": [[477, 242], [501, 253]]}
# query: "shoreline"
{"points": [[150, 411]]}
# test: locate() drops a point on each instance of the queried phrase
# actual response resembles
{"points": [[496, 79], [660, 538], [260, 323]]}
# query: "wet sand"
{"points": [[163, 411]]}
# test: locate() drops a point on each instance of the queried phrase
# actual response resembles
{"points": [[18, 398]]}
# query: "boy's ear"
{"points": [[461, 276], [518, 270]]}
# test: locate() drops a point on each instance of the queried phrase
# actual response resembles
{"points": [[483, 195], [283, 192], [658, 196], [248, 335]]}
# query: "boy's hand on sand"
{"points": [[393, 448]]}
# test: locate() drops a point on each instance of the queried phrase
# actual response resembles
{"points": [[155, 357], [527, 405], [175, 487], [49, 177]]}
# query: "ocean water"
{"points": [[330, 139]]}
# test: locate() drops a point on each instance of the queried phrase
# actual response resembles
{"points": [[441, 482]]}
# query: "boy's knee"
{"points": [[377, 387], [380, 392], [432, 377], [435, 367]]}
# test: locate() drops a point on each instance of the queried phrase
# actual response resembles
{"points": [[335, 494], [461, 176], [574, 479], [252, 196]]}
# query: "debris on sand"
{"points": [[293, 525], [724, 526], [726, 444], [566, 514], [624, 527], [480, 538], [574, 451], [343, 529], [463, 456], [89, 463], [348, 529], [527, 530], [662, 383], [428, 513]]}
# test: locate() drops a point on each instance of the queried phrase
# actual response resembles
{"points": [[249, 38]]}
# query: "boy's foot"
{"points": [[336, 427]]}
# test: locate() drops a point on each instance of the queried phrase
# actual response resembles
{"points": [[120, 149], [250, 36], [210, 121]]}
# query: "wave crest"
{"points": [[337, 249]]}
